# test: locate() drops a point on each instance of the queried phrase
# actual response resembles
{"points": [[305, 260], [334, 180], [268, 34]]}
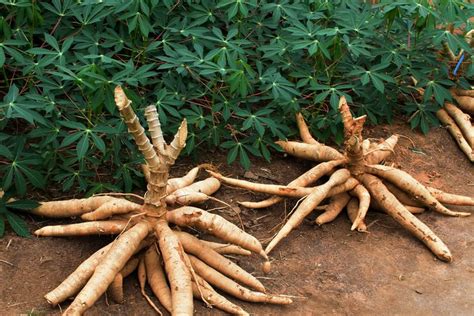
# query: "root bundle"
{"points": [[176, 265], [457, 120], [358, 181]]}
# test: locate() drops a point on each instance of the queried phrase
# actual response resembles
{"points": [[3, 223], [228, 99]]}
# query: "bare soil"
{"points": [[329, 269]]}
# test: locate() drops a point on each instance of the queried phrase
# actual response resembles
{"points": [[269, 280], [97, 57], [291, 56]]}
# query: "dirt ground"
{"points": [[329, 269]]}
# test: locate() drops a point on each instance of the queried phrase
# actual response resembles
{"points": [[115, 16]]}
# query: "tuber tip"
{"points": [[38, 232], [445, 256], [354, 225], [266, 267]]}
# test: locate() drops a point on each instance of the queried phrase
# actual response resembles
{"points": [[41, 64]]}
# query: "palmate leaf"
{"points": [[18, 166], [223, 57], [15, 105], [51, 41], [82, 146], [20, 182], [5, 152], [17, 224], [33, 176], [2, 57], [2, 225], [244, 158], [8, 177], [23, 204], [378, 84], [233, 7], [435, 88], [98, 142], [73, 125], [239, 83], [232, 153], [240, 149], [21, 111], [72, 138]]}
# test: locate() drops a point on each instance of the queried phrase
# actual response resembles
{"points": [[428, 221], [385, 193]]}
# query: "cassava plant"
{"points": [[357, 181], [176, 264], [237, 70]]}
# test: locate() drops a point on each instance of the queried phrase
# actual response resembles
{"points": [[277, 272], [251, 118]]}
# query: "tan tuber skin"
{"points": [[164, 263], [362, 186], [115, 289], [457, 118]]}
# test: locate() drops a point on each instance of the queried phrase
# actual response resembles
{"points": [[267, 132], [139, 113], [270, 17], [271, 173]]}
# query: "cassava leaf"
{"points": [[17, 224], [23, 204], [2, 225], [237, 70]]}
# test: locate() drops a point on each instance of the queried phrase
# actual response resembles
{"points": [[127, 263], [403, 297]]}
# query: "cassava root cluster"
{"points": [[177, 265], [356, 181], [456, 116], [458, 121]]}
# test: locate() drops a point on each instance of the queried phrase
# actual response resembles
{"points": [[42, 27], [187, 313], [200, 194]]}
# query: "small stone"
{"points": [[45, 259], [250, 175]]}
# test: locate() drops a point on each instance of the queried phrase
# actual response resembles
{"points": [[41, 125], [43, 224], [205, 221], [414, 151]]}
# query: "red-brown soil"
{"points": [[329, 269]]}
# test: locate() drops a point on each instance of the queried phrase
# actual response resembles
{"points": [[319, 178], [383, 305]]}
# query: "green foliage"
{"points": [[8, 206], [238, 70]]}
